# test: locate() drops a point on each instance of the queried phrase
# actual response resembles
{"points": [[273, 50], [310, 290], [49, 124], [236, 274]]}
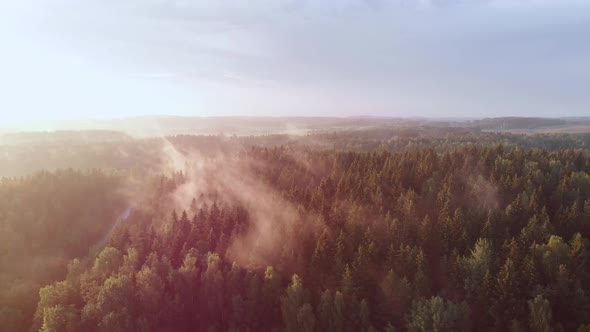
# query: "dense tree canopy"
{"points": [[45, 220], [471, 237]]}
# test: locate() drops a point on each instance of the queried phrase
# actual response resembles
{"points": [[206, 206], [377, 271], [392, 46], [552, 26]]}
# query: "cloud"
{"points": [[377, 57]]}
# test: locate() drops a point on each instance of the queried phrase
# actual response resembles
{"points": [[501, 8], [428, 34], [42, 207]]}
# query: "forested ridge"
{"points": [[46, 219], [27, 153], [473, 238]]}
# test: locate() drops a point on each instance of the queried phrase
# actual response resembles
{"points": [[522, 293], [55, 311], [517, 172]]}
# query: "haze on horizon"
{"points": [[64, 59]]}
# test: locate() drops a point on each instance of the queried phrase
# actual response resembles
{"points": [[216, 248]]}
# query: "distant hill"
{"points": [[150, 126], [69, 136], [509, 123], [164, 125]]}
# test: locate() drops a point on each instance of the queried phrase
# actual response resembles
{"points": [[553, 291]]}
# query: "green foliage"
{"points": [[456, 236], [553, 254], [540, 315], [477, 265], [108, 262], [297, 312], [46, 219], [59, 318], [439, 315]]}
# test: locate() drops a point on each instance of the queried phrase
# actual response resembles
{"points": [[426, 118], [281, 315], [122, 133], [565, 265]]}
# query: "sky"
{"points": [[71, 59]]}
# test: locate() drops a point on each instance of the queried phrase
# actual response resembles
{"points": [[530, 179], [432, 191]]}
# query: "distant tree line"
{"points": [[91, 150]]}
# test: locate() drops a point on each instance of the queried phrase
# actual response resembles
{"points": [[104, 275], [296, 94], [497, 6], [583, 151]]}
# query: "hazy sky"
{"points": [[72, 59]]}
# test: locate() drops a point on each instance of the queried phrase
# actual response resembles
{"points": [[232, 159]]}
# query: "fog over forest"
{"points": [[301, 224]]}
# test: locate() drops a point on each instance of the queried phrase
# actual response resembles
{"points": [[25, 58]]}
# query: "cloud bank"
{"points": [[374, 57]]}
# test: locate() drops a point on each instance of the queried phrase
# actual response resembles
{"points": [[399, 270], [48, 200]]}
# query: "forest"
{"points": [[405, 229]]}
